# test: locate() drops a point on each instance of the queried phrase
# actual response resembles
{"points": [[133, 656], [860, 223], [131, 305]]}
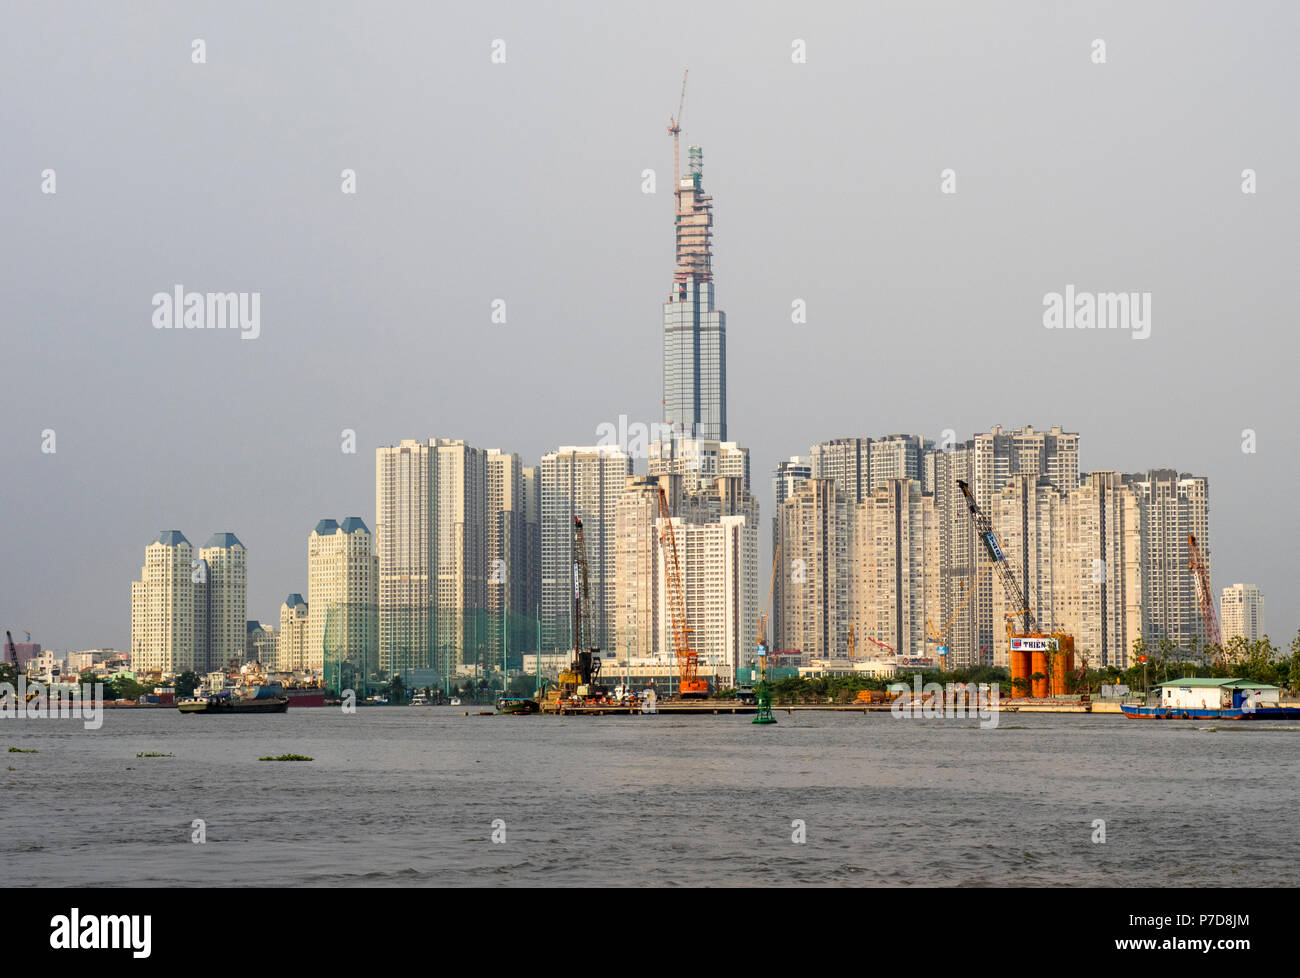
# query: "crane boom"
{"points": [[675, 128], [1196, 563], [688, 662], [984, 527]]}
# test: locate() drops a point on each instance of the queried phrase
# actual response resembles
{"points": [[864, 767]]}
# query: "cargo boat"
{"points": [[1212, 699], [224, 702], [305, 695]]}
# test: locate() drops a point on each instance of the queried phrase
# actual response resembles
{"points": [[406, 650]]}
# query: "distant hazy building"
{"points": [[343, 595], [790, 474], [1173, 505], [1100, 602], [163, 630], [507, 627], [431, 534], [532, 569], [716, 534], [582, 482], [1242, 612], [814, 571], [262, 644], [291, 643], [223, 602], [699, 461], [892, 564], [846, 461], [988, 462]]}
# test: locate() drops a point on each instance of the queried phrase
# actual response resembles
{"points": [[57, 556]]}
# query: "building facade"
{"points": [[695, 332]]}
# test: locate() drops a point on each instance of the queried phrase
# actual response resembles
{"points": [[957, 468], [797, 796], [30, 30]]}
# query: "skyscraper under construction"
{"points": [[695, 333]]}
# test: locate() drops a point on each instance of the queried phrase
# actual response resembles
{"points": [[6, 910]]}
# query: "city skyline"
{"points": [[139, 450]]}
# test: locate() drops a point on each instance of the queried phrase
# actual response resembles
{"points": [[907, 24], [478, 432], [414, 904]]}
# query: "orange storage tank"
{"points": [[1038, 665], [1019, 670], [1063, 663]]}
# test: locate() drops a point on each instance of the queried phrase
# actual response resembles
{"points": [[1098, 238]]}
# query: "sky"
{"points": [[520, 179]]}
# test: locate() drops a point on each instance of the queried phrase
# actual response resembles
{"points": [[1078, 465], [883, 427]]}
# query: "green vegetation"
{"points": [[288, 757], [186, 683], [19, 750], [125, 688], [152, 754]]}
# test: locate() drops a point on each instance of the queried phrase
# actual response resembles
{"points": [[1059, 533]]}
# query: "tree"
{"points": [[186, 683], [397, 690]]}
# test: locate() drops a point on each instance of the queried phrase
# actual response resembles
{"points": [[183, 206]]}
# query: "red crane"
{"points": [[1196, 563]]}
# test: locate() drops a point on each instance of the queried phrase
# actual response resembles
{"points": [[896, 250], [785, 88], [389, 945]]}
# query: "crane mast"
{"points": [[688, 661], [984, 527], [1196, 563]]}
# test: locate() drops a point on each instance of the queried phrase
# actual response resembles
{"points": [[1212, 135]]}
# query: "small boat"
{"points": [[455, 701], [516, 705]]}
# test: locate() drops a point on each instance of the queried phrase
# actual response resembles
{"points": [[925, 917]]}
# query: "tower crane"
{"points": [[675, 128], [688, 661], [1196, 564], [579, 678], [1015, 596]]}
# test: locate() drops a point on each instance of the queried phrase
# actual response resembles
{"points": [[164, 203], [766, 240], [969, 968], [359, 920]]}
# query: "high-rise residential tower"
{"points": [[431, 538], [342, 591], [583, 482], [223, 603], [1242, 612], [695, 333], [163, 630], [1172, 505], [291, 645]]}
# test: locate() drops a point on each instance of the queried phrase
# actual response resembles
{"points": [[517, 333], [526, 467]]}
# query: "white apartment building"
{"points": [[1242, 612], [164, 635], [583, 482], [291, 644], [342, 596], [223, 603]]}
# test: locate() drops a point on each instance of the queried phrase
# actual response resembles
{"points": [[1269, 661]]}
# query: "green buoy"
{"points": [[764, 714]]}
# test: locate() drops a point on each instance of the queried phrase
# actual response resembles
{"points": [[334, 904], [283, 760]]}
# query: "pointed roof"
{"points": [[171, 538], [326, 527], [354, 523], [293, 600], [224, 540]]}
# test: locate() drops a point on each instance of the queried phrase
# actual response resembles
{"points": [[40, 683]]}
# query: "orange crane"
{"points": [[688, 662], [875, 641], [1196, 564]]}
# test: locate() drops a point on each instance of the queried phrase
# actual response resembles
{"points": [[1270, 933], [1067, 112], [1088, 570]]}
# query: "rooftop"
{"points": [[1205, 683]]}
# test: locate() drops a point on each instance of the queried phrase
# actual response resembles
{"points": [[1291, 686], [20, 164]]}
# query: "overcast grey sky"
{"points": [[522, 181]]}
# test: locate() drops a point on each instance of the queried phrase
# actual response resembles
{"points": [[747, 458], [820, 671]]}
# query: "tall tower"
{"points": [[695, 333]]}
